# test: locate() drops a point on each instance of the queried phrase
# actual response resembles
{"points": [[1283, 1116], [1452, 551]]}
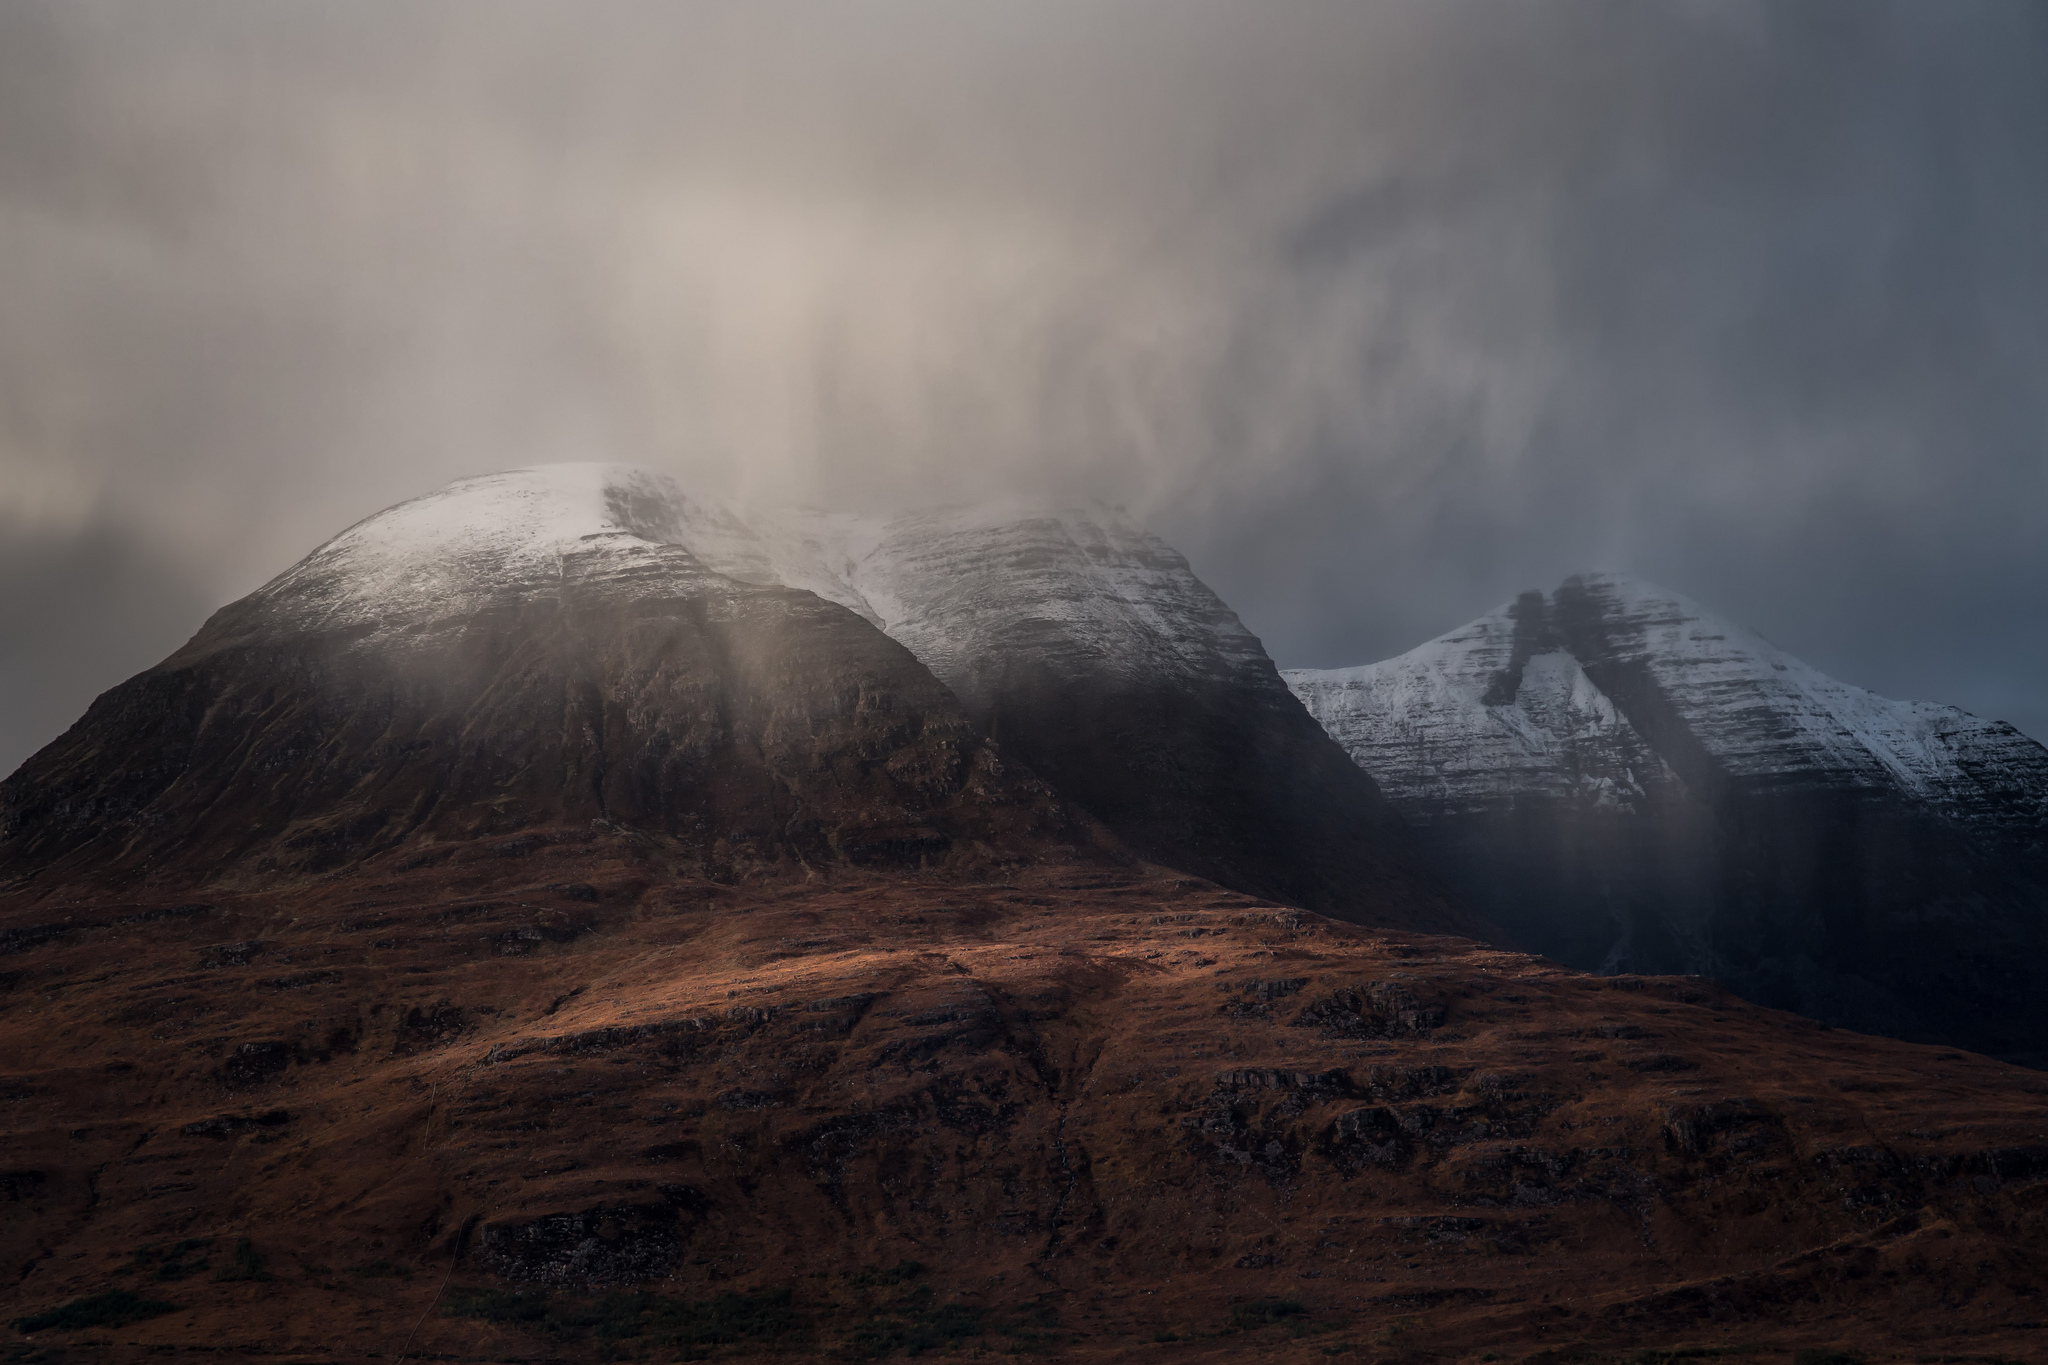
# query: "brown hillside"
{"points": [[570, 1105]]}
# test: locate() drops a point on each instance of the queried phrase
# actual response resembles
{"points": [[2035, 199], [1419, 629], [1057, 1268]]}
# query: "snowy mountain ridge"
{"points": [[1554, 696], [923, 578]]}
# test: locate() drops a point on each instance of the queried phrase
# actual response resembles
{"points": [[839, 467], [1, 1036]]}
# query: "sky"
{"points": [[1380, 311]]}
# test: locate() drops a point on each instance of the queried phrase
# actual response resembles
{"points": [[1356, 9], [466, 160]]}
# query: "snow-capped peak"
{"points": [[505, 535], [1611, 685], [943, 581]]}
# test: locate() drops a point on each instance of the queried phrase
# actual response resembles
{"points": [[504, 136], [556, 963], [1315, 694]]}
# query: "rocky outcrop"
{"points": [[1628, 783]]}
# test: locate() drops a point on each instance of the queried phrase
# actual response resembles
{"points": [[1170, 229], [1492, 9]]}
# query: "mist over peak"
{"points": [[1376, 313]]}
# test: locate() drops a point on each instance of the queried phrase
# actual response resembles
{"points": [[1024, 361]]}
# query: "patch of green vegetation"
{"points": [[1249, 1317], [115, 1308], [1675, 1353], [380, 1270], [245, 1263], [1165, 1336], [689, 1327], [1817, 1356]]}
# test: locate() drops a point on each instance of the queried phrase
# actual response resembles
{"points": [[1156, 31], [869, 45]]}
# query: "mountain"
{"points": [[515, 662], [556, 920], [1627, 782], [572, 651]]}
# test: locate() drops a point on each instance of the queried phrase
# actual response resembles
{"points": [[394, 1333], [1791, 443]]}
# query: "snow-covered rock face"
{"points": [[1433, 729], [505, 537], [1082, 588], [948, 583], [1503, 709]]}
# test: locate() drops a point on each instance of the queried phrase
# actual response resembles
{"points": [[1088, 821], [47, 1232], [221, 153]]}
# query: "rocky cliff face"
{"points": [[1629, 783]]}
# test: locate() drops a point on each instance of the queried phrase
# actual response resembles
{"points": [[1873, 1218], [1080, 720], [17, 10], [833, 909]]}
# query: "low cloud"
{"points": [[1381, 313]]}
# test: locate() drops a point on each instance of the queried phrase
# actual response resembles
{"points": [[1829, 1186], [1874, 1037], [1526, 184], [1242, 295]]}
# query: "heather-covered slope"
{"points": [[609, 1111], [1629, 783]]}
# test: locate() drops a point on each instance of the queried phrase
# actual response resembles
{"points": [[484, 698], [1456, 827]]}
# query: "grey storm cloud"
{"points": [[1380, 311]]}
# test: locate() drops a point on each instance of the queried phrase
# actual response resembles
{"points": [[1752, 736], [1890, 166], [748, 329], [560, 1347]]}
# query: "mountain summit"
{"points": [[1631, 783]]}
